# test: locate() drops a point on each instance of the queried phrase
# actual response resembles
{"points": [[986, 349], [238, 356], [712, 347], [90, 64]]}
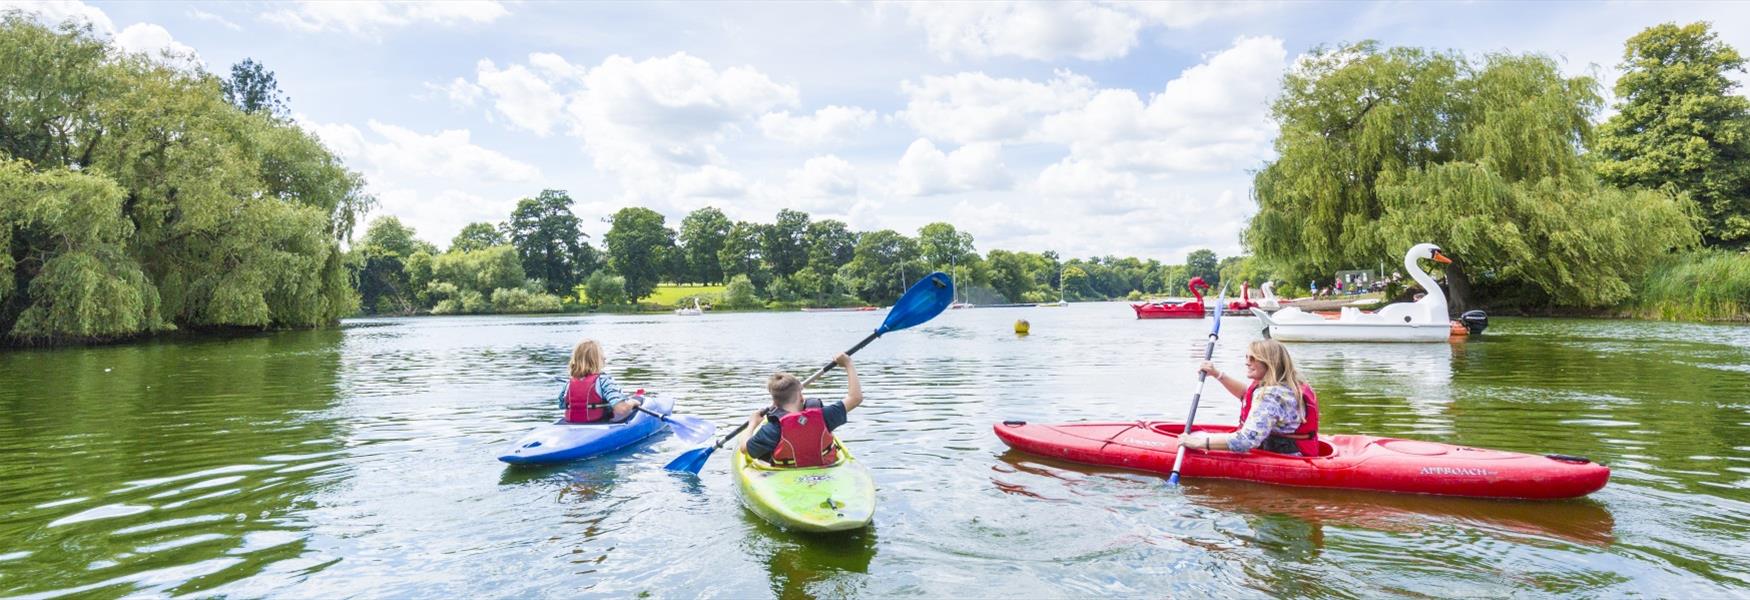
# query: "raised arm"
{"points": [[1234, 385], [854, 396]]}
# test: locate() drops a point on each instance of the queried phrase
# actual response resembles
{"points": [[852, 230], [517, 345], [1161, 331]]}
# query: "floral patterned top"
{"points": [[1275, 410]]}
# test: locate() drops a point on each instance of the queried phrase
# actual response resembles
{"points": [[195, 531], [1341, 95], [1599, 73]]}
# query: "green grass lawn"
{"points": [[668, 294]]}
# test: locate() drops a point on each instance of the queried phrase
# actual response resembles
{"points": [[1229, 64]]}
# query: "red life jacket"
{"points": [[804, 440], [582, 403], [1306, 437]]}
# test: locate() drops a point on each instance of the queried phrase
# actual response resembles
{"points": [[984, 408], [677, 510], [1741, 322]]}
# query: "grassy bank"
{"points": [[1698, 286], [669, 294]]}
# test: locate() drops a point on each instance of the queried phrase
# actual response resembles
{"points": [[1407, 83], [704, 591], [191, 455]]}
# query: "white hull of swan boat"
{"points": [[1337, 330]]}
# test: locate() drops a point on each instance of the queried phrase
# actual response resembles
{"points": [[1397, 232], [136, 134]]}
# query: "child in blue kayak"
{"points": [[795, 432], [591, 395]]}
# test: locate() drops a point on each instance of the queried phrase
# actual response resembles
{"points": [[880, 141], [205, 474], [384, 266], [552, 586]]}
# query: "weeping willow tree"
{"points": [[134, 199], [1382, 149]]}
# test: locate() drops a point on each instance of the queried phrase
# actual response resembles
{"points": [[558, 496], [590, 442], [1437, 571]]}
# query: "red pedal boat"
{"points": [[1242, 307], [1355, 462], [1175, 310]]}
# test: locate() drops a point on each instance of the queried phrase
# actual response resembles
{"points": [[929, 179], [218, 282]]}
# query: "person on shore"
{"points": [[796, 432], [1278, 410], [592, 396]]}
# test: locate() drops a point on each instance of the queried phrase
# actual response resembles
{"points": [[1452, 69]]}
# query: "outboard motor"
{"points": [[1474, 321]]}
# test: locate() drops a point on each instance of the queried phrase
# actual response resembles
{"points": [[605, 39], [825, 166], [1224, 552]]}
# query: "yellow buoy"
{"points": [[1021, 326]]}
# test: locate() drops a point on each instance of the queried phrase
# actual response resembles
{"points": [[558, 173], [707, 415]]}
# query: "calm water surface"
{"points": [[359, 462]]}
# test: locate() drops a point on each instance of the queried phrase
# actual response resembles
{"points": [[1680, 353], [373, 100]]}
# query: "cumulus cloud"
{"points": [[55, 12], [398, 153], [435, 182], [830, 124], [520, 95], [1053, 30], [711, 181], [155, 41], [655, 122], [975, 107], [1036, 30], [925, 170], [368, 17], [1213, 116]]}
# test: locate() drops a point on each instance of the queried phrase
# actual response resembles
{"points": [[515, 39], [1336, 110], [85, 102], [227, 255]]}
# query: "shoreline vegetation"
{"points": [[142, 195]]}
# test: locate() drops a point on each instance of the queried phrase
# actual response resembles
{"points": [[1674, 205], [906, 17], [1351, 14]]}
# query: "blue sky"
{"points": [[1089, 128]]}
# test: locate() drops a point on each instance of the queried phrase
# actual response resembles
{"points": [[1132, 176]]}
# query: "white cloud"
{"points": [[926, 170], [434, 182], [202, 15], [975, 107], [1213, 117], [833, 123], [368, 17], [55, 12], [157, 42], [401, 154], [1083, 179], [652, 122], [1036, 30], [461, 92], [824, 177], [711, 181], [522, 96]]}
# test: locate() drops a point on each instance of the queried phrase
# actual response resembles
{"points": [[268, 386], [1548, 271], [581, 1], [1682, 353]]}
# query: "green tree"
{"points": [[831, 244], [477, 236], [253, 88], [784, 243], [741, 253], [380, 258], [942, 245], [637, 245], [1379, 150], [550, 240], [605, 289], [883, 265], [1076, 285], [1682, 127], [234, 218], [703, 233], [1202, 263], [740, 293]]}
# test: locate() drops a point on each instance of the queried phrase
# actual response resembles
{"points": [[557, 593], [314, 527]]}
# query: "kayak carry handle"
{"points": [[1567, 458], [1014, 423]]}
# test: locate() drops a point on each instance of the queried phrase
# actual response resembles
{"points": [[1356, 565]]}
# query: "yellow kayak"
{"points": [[831, 498]]}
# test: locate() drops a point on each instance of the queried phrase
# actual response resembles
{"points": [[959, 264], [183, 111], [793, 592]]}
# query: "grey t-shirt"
{"points": [[765, 440]]}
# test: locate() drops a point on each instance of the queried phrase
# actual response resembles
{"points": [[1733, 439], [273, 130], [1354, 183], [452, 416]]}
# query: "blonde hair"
{"points": [[784, 387], [586, 359], [1278, 366]]}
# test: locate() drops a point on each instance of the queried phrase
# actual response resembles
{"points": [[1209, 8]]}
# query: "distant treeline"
{"points": [[540, 260]]}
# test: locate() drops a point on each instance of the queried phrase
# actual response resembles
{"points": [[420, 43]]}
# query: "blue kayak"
{"points": [[561, 441]]}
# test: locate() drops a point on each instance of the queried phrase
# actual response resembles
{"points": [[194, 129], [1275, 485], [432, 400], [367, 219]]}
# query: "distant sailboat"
{"points": [[1060, 301]]}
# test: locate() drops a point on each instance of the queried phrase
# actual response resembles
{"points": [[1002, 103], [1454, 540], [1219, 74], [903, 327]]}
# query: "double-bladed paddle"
{"points": [[1208, 353], [922, 302], [689, 429]]}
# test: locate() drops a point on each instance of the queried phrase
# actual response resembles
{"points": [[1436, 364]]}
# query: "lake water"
{"points": [[360, 462]]}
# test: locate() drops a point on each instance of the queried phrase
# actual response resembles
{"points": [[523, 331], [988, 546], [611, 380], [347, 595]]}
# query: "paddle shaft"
{"points": [[872, 337], [1202, 376]]}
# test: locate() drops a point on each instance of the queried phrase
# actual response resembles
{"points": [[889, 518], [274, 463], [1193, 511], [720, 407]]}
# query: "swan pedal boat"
{"points": [[1424, 320]]}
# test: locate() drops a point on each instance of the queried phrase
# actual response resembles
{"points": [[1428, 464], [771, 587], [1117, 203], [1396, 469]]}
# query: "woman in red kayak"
{"points": [[1273, 416], [592, 395]]}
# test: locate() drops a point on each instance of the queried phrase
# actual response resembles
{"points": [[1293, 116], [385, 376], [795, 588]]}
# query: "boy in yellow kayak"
{"points": [[797, 432]]}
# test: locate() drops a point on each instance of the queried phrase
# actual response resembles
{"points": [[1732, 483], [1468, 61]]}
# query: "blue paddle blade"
{"points": [[690, 429], [926, 299], [1173, 479], [691, 461]]}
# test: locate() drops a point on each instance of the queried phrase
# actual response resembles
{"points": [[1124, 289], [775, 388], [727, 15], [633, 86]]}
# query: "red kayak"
{"points": [[1175, 310], [1356, 462]]}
